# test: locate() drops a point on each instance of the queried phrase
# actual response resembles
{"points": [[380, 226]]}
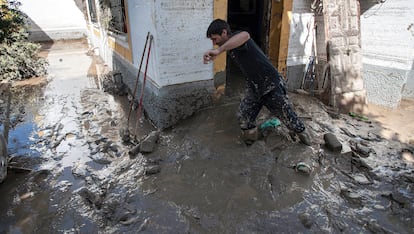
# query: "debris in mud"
{"points": [[146, 145], [352, 196], [199, 177], [152, 169], [306, 220], [90, 197], [125, 135], [303, 168], [113, 84]]}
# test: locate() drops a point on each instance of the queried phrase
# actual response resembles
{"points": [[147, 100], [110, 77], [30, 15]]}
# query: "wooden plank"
{"points": [[284, 36], [220, 12]]}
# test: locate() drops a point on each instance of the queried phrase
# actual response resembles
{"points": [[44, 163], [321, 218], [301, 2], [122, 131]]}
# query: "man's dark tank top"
{"points": [[261, 76]]}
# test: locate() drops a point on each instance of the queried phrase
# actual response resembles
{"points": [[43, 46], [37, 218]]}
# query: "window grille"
{"points": [[116, 14], [92, 11]]}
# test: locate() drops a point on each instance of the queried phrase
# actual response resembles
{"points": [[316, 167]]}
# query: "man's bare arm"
{"points": [[233, 42]]}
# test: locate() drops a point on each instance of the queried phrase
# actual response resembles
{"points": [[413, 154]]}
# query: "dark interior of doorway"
{"points": [[243, 15]]}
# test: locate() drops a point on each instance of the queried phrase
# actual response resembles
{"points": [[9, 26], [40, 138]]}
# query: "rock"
{"points": [[332, 143], [351, 196], [346, 150], [153, 169], [125, 134], [148, 144], [40, 175], [362, 150], [90, 197], [361, 179], [134, 151], [101, 159], [306, 220], [128, 219], [80, 170]]}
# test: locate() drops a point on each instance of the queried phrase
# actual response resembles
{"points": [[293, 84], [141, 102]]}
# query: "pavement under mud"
{"points": [[200, 177]]}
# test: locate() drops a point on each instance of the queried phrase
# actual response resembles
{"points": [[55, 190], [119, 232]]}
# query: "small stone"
{"points": [[332, 143], [306, 220], [148, 144], [90, 197], [363, 150], [152, 170], [346, 150]]}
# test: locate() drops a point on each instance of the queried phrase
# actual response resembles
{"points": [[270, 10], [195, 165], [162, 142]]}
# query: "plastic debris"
{"points": [[271, 123], [358, 116], [303, 167]]}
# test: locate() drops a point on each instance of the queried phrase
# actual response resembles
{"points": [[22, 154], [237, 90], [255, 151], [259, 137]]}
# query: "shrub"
{"points": [[18, 57]]}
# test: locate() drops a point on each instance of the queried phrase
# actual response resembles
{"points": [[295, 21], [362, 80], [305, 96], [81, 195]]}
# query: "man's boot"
{"points": [[304, 137], [250, 135]]}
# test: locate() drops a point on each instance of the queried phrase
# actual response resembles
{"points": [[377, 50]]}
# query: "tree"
{"points": [[12, 20], [18, 57]]}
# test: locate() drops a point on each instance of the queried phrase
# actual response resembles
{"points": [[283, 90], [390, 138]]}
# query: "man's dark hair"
{"points": [[217, 26]]}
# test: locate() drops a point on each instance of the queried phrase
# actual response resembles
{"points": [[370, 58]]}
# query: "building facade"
{"points": [[361, 49]]}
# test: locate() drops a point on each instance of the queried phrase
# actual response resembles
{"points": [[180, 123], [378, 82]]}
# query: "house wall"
{"points": [[304, 27], [387, 35], [177, 81], [54, 20], [181, 40], [301, 36]]}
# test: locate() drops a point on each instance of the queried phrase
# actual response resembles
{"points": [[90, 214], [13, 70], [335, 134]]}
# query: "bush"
{"points": [[18, 57]]}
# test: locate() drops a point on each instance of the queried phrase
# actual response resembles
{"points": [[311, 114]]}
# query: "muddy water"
{"points": [[201, 178]]}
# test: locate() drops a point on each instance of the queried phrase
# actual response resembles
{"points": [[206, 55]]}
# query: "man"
{"points": [[264, 85]]}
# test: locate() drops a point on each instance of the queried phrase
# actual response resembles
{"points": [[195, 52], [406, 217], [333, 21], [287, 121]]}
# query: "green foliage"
{"points": [[12, 19], [18, 57]]}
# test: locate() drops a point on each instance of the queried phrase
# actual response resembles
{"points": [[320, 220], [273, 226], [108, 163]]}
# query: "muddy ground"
{"points": [[198, 176]]}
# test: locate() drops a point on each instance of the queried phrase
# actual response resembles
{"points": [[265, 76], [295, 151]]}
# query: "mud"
{"points": [[199, 176]]}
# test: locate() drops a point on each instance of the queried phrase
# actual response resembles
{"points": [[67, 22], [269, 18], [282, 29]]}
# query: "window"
{"points": [[113, 12], [92, 11]]}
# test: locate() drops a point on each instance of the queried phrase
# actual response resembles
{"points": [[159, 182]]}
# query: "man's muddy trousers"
{"points": [[276, 101]]}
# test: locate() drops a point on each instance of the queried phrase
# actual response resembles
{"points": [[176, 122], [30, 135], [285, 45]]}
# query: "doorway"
{"points": [[252, 16]]}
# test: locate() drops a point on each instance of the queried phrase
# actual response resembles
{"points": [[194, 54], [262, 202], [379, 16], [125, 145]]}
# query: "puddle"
{"points": [[201, 178]]}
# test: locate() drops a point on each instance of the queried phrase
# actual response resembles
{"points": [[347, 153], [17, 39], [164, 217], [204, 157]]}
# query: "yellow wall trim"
{"points": [[220, 12], [96, 32], [121, 50], [284, 36]]}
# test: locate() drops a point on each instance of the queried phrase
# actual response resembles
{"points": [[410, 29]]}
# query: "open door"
{"points": [[252, 16]]}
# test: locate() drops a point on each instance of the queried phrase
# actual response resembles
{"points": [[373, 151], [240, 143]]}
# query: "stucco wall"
{"points": [[388, 50], [301, 36], [54, 20], [303, 22], [178, 83], [181, 40]]}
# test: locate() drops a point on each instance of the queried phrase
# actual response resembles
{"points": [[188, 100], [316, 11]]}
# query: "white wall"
{"points": [[178, 28], [301, 36], [54, 19], [181, 40], [142, 20], [388, 50]]}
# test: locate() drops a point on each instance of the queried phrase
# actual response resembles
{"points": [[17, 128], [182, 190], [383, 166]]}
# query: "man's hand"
{"points": [[210, 55]]}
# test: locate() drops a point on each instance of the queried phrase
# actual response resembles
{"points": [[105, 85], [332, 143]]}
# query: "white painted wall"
{"points": [[57, 20], [386, 39], [387, 36], [181, 40], [178, 28], [142, 20], [301, 36]]}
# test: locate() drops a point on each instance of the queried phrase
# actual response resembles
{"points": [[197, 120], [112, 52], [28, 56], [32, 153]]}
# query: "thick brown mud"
{"points": [[200, 177]]}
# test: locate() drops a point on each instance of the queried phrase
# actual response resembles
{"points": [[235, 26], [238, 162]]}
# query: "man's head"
{"points": [[219, 32]]}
